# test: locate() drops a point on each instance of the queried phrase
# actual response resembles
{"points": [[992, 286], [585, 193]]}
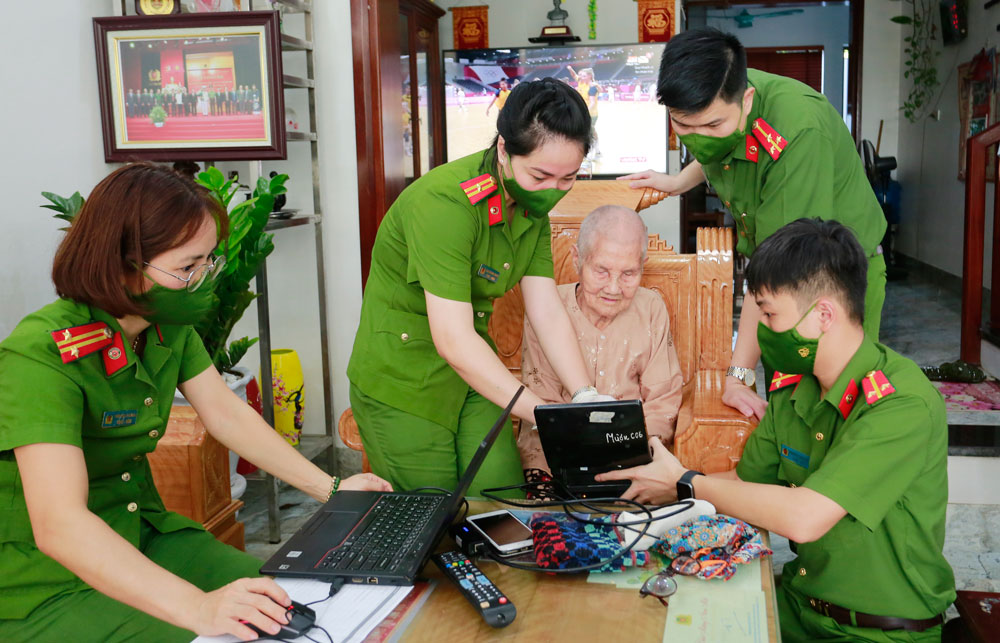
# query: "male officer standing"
{"points": [[849, 461], [775, 151]]}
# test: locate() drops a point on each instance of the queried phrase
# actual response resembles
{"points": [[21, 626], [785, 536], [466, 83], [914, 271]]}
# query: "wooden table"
{"points": [[552, 607]]}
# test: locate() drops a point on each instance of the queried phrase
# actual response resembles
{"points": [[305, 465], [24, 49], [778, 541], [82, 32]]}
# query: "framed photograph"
{"points": [[191, 86]]}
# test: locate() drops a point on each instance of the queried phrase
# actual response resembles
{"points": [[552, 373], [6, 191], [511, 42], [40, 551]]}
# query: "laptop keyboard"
{"points": [[389, 538]]}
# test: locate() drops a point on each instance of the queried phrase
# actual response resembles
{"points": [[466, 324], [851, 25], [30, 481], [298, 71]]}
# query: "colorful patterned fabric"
{"points": [[721, 540], [562, 542]]}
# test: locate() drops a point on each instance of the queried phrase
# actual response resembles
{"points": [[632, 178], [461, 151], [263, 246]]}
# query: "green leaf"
{"points": [[902, 20]]}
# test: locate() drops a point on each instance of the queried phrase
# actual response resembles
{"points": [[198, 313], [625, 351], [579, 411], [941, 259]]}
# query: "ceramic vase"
{"points": [[289, 393]]}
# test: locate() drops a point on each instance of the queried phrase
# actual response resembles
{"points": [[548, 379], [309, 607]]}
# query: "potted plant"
{"points": [[246, 246], [157, 115]]}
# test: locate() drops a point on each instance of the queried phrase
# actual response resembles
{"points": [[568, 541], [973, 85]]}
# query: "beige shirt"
{"points": [[633, 358]]}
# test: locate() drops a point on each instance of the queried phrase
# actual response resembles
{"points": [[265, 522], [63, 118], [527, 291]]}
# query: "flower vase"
{"points": [[289, 393]]}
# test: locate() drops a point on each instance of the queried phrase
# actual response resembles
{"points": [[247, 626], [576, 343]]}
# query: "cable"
{"points": [[489, 494], [321, 629]]}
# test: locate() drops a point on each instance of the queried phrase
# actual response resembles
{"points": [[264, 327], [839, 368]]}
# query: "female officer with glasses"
{"points": [[87, 550]]}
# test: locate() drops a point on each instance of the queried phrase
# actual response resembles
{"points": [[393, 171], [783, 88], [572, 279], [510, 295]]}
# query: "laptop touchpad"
{"points": [[334, 525]]}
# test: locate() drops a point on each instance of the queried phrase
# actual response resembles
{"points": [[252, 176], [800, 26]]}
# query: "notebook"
{"points": [[582, 440], [377, 538]]}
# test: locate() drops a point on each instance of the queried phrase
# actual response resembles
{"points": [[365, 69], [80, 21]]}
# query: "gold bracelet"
{"points": [[334, 485]]}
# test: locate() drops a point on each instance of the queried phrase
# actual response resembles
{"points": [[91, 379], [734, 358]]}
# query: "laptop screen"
{"points": [[593, 437]]}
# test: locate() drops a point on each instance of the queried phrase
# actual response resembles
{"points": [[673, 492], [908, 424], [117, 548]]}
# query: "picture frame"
{"points": [[206, 86]]}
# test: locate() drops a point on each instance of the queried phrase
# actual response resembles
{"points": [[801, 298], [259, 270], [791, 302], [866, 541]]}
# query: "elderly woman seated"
{"points": [[622, 328]]}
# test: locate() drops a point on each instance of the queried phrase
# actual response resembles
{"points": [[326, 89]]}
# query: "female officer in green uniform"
{"points": [[774, 150], [425, 379], [87, 550]]}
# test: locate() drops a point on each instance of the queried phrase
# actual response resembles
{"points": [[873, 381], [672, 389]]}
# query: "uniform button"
{"points": [[506, 265], [802, 571], [727, 203], [137, 458], [792, 485], [126, 476], [132, 507], [602, 336], [154, 434], [870, 373], [812, 601], [819, 436], [744, 215], [480, 314], [404, 337], [148, 401], [849, 397], [725, 167]]}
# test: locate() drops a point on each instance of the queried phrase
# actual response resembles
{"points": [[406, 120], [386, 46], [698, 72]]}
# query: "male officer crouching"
{"points": [[849, 460]]}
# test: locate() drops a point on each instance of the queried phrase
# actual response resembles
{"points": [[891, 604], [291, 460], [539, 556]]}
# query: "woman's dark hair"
{"points": [[809, 258], [539, 110], [136, 213], [699, 66]]}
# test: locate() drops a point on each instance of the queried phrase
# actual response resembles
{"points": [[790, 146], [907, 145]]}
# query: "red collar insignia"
{"points": [[772, 142], [496, 211], [846, 403], [80, 341], [114, 357], [752, 149], [781, 380]]}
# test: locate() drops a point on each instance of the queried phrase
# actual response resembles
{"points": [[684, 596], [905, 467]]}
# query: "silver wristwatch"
{"points": [[746, 375]]}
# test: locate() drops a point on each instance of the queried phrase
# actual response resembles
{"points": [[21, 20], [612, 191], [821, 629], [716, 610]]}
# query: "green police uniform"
{"points": [[883, 458], [799, 160], [449, 234], [67, 377]]}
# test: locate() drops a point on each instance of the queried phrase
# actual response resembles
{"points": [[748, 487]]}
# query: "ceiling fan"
{"points": [[744, 19]]}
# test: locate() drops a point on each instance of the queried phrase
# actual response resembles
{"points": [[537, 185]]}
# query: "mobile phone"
{"points": [[503, 531]]}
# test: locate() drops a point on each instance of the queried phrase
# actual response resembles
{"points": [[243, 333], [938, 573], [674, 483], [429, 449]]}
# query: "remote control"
{"points": [[495, 608]]}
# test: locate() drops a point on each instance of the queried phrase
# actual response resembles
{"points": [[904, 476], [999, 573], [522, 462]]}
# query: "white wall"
{"points": [[933, 198], [829, 26], [52, 138], [880, 100], [512, 22]]}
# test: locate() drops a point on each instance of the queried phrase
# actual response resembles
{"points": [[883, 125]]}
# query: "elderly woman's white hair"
{"points": [[611, 221]]}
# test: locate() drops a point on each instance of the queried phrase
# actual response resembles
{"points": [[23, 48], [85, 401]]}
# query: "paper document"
{"points": [[348, 617], [733, 611]]}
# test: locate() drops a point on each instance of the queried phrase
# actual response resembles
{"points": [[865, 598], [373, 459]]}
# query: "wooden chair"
{"points": [[698, 291]]}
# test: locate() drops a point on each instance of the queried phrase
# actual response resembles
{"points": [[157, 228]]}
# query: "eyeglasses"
{"points": [[205, 272], [663, 585]]}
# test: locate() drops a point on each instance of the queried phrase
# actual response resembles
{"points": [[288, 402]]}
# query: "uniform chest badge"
{"points": [[478, 188], [114, 419], [489, 274], [80, 341], [795, 456]]}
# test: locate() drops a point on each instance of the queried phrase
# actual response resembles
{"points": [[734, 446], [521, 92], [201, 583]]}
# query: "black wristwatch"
{"points": [[685, 488]]}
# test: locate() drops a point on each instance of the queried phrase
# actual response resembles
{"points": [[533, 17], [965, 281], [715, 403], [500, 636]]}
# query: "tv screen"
{"points": [[617, 81]]}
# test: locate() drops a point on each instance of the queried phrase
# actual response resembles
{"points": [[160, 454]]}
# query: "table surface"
{"points": [[553, 607]]}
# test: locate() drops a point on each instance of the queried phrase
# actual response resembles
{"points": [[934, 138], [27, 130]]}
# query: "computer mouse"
{"points": [[300, 620]]}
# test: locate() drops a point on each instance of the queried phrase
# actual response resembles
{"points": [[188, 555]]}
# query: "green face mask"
{"points": [[712, 149], [538, 203], [179, 307], [788, 351]]}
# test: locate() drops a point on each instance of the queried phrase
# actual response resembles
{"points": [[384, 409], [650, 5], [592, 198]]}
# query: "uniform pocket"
{"points": [[404, 348]]}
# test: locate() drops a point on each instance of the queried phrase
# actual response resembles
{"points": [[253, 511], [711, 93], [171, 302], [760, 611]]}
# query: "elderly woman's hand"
{"points": [[365, 482]]}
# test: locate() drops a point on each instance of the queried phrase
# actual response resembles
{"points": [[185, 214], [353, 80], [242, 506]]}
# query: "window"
{"points": [[804, 64]]}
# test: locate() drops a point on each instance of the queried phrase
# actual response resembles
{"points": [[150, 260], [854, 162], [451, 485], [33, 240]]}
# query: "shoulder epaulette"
{"points": [[478, 188], [752, 149], [79, 341], [876, 386], [774, 143], [781, 380]]}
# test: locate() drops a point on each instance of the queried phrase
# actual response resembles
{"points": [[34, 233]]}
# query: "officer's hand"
{"points": [[653, 483], [652, 179], [365, 482], [260, 601], [743, 398]]}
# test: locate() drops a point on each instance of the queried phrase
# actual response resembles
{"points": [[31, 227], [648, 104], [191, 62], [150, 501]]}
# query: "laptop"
{"points": [[377, 538], [582, 440]]}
